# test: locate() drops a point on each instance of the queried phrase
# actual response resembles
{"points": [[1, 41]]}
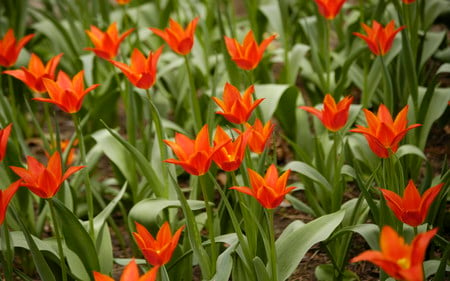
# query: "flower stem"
{"points": [[8, 255], [388, 92], [210, 222], [58, 240], [194, 99], [272, 250]]}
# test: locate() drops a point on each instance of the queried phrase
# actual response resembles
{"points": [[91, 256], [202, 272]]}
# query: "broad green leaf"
{"points": [[272, 94], [105, 249], [326, 272], [299, 205], [408, 149], [432, 42], [434, 8], [444, 68], [273, 15], [260, 269], [370, 233], [225, 260], [308, 171]]}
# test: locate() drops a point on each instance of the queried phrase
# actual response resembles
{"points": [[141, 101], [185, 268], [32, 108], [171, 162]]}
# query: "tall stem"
{"points": [[210, 222], [58, 240], [272, 250], [193, 97], [328, 54], [388, 92], [8, 255]]}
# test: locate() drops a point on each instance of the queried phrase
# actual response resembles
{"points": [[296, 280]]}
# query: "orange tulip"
{"points": [[180, 40], [248, 55], [157, 251], [106, 44], [259, 135], [398, 259], [6, 196], [65, 93], [383, 134], [142, 71], [409, 1], [236, 108], [4, 135], [123, 2], [230, 156], [9, 50], [379, 39], [36, 72], [270, 190], [44, 181], [130, 273], [333, 116], [412, 209], [329, 8]]}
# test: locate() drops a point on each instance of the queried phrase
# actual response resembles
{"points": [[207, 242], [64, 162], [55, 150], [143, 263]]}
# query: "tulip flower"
{"points": [[5, 197], [180, 40], [65, 93], [41, 180], [4, 135], [248, 55], [106, 44], [142, 71], [398, 259], [333, 116], [270, 190], [329, 8], [9, 50], [383, 134], [379, 39], [230, 156], [36, 72], [236, 108], [411, 209], [157, 251], [130, 273], [259, 135], [123, 2], [408, 1]]}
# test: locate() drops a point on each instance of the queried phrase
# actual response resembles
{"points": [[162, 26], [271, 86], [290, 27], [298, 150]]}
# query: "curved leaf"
{"points": [[409, 149], [308, 171]]}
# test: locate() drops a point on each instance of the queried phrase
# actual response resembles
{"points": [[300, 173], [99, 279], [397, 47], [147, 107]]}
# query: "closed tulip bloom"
{"points": [[329, 8], [5, 197], [106, 44], [383, 134], [230, 156], [142, 71], [333, 116], [130, 273], [260, 135], [10, 48], [270, 190], [236, 108], [412, 208], [67, 94], [379, 39], [35, 73], [179, 40], [157, 251], [248, 55], [400, 260], [4, 135], [41, 180]]}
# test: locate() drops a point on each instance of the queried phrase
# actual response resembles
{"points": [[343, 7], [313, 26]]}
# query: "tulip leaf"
{"points": [[260, 269], [409, 149], [432, 42], [370, 233], [326, 272], [272, 94], [292, 247], [308, 171]]}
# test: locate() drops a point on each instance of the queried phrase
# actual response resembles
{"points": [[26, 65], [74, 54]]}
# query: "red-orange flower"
{"points": [[383, 134], [379, 39], [106, 44], [44, 181], [329, 8], [229, 157], [270, 190], [333, 116], [248, 55], [123, 2], [142, 71], [36, 72], [408, 1], [9, 50], [157, 251], [259, 135], [6, 196], [4, 135], [398, 259], [411, 209], [65, 93], [180, 40], [130, 273]]}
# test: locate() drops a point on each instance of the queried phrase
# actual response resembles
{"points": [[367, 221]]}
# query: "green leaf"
{"points": [[272, 94], [326, 272], [432, 42], [225, 260], [409, 149], [308, 171], [370, 233], [260, 269]]}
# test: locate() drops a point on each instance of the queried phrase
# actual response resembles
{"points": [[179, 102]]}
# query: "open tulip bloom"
{"points": [[10, 49], [106, 44], [229, 157], [379, 39], [4, 135], [259, 136], [329, 8], [130, 273]]}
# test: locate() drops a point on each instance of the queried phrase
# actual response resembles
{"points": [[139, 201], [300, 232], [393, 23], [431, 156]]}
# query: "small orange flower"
{"points": [[329, 8], [44, 181], [106, 43], [179, 39], [157, 251], [383, 134], [36, 72], [248, 55], [270, 190], [4, 135], [230, 156], [236, 108], [71, 155], [142, 71], [65, 93], [412, 209], [259, 135], [130, 273], [9, 50], [408, 1], [379, 39], [6, 196], [333, 116], [123, 2], [398, 259]]}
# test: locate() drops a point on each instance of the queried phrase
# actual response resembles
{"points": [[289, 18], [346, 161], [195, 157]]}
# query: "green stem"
{"points": [[8, 255], [388, 92], [193, 97], [210, 222], [272, 251], [58, 240], [328, 54]]}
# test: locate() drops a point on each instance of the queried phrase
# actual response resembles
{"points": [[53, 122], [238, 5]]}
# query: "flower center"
{"points": [[404, 263]]}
